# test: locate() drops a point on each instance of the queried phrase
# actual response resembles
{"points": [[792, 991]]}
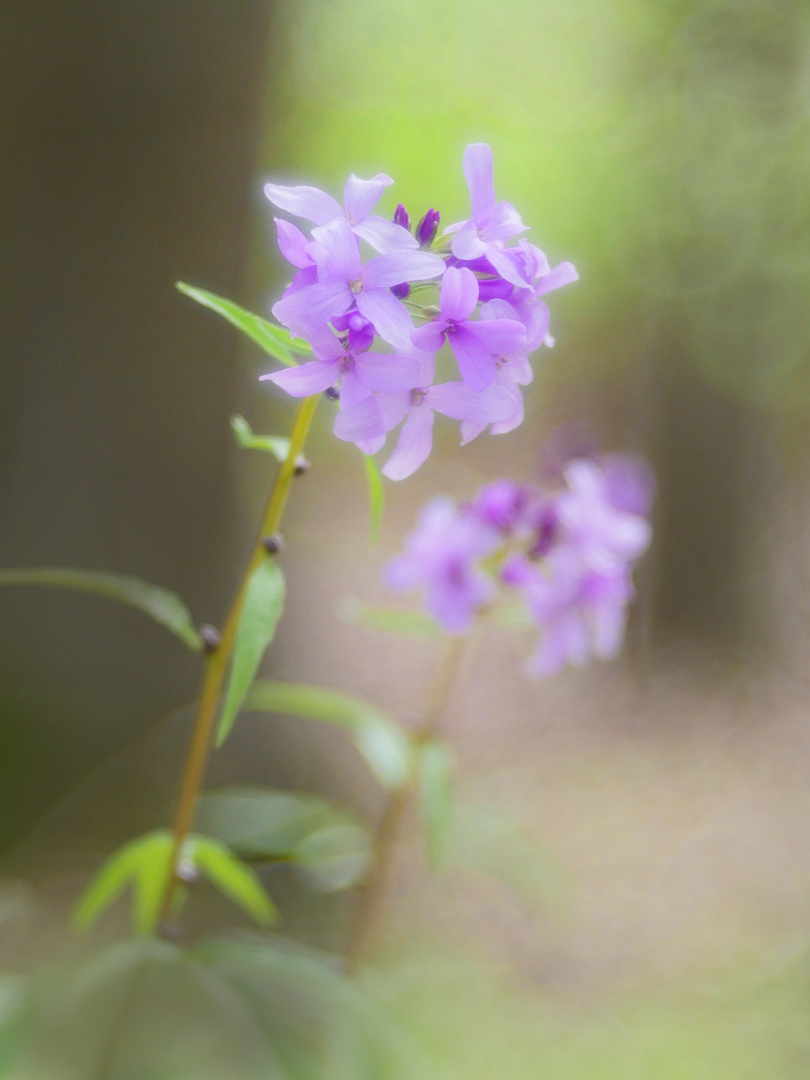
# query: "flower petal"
{"points": [[459, 293], [312, 304], [415, 441], [458, 401], [292, 244], [393, 268], [501, 223], [305, 202], [477, 165], [499, 336], [386, 372], [359, 420], [343, 255], [361, 196], [430, 337], [563, 274], [507, 265], [470, 429], [384, 235], [389, 315], [308, 379], [467, 244], [475, 360]]}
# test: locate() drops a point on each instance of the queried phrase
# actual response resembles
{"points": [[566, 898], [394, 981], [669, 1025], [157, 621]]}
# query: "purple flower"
{"points": [[581, 612], [359, 374], [475, 344], [369, 420], [440, 557], [344, 282], [492, 222], [426, 229], [359, 199]]}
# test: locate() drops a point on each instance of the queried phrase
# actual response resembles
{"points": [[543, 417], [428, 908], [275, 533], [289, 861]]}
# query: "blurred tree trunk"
{"points": [[128, 136]]}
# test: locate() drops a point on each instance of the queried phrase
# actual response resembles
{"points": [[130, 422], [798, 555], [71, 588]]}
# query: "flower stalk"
{"points": [[372, 897], [217, 664]]}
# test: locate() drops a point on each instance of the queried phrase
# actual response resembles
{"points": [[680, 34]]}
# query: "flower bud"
{"points": [[426, 229], [401, 217], [401, 292], [332, 393]]}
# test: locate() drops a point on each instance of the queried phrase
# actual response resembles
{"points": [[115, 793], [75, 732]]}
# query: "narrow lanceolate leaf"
{"points": [[144, 864], [379, 737], [376, 495], [435, 783], [274, 340], [264, 603], [277, 445], [231, 877], [164, 607], [390, 620]]}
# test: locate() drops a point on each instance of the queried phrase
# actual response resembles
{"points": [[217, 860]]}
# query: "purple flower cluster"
{"points": [[489, 311], [569, 552]]}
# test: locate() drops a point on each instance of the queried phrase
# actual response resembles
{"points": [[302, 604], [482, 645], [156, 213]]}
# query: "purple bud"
{"points": [[426, 229], [401, 292], [401, 217], [332, 393]]}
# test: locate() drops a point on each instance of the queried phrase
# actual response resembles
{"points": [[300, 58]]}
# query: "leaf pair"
{"points": [[145, 865], [328, 848]]}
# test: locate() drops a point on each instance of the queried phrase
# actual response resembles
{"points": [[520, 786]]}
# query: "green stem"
{"points": [[372, 897], [200, 745]]}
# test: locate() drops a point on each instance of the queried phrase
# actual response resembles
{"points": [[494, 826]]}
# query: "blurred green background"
{"points": [[662, 148]]}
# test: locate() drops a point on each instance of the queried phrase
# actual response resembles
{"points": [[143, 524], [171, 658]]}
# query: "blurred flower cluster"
{"points": [[489, 310], [568, 551]]}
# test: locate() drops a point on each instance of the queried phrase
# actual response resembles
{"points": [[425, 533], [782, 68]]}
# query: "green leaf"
{"points": [[333, 858], [379, 737], [327, 845], [264, 603], [164, 607], [259, 822], [390, 620], [232, 877], [144, 863], [277, 445], [435, 782], [376, 495], [274, 340]]}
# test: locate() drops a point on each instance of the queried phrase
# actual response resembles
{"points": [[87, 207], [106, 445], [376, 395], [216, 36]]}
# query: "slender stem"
{"points": [[200, 745], [372, 897]]}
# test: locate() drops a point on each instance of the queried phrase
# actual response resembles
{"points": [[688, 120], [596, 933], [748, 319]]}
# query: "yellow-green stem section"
{"points": [[217, 665]]}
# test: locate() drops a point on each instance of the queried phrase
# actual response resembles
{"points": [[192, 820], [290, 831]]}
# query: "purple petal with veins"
{"points": [[415, 441], [361, 196], [459, 294], [306, 202], [306, 380]]}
